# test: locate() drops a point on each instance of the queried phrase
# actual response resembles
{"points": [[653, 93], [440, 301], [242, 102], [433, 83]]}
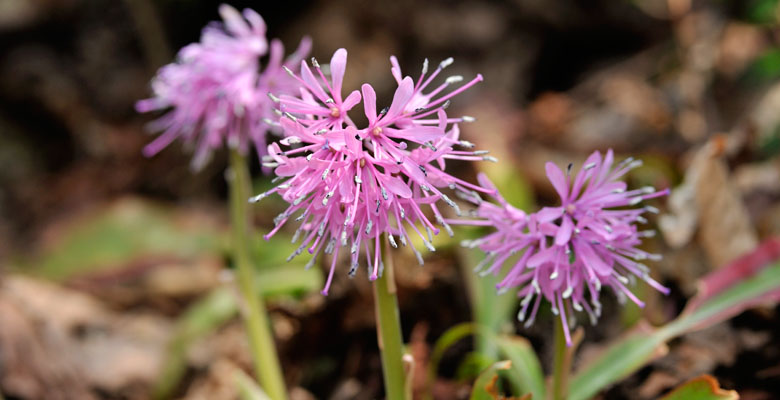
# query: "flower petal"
{"points": [[338, 64], [548, 214], [234, 22], [255, 21], [311, 82], [401, 97], [369, 102], [558, 180], [395, 69], [564, 232], [351, 100], [396, 186]]}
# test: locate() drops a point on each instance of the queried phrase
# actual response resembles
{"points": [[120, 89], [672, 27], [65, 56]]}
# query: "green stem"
{"points": [[388, 327], [261, 340], [561, 364]]}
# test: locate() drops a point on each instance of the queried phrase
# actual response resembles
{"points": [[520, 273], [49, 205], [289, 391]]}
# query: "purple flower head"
{"points": [[349, 185], [568, 253], [215, 92]]}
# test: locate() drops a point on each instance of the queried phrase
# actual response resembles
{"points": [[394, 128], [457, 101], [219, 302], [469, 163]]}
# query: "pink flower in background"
{"points": [[215, 92], [349, 185], [566, 254]]}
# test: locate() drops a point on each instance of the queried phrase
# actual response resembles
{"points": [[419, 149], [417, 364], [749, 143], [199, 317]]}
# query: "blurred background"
{"points": [[112, 265]]}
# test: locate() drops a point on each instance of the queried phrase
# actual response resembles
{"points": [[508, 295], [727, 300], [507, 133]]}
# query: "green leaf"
{"points": [[526, 374], [637, 348], [444, 342], [744, 283], [704, 387], [473, 363], [765, 68], [762, 11], [487, 380]]}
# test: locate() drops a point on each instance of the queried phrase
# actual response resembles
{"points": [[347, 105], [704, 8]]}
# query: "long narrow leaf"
{"points": [[637, 348], [745, 283], [526, 372]]}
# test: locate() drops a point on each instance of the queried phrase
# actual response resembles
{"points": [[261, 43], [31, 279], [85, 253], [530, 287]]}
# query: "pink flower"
{"points": [[568, 253], [319, 103], [215, 92], [350, 185]]}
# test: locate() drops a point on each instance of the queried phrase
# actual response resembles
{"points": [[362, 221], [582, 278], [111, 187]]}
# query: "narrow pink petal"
{"points": [[338, 65], [395, 69], [351, 100], [589, 257], [564, 232], [401, 97], [304, 47], [558, 180], [234, 22], [543, 256], [548, 214], [418, 134], [485, 182], [369, 102], [583, 174], [397, 186], [548, 228], [255, 20], [354, 145], [275, 55], [311, 82]]}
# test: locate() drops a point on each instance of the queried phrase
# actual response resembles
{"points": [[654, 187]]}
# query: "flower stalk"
{"points": [[261, 341], [561, 362], [388, 329]]}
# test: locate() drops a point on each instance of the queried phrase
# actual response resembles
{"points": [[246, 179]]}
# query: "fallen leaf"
{"points": [[704, 387]]}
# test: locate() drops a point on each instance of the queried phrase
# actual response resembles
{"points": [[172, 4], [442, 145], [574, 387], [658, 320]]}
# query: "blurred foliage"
{"points": [[524, 373], [762, 11], [771, 144], [125, 231], [765, 68], [201, 319], [213, 310]]}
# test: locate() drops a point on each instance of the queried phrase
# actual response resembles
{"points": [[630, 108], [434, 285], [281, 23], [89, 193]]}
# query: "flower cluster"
{"points": [[348, 185], [215, 91], [566, 254]]}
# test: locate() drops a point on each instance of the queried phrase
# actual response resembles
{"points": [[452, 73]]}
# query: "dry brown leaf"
{"points": [[82, 345], [708, 200]]}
